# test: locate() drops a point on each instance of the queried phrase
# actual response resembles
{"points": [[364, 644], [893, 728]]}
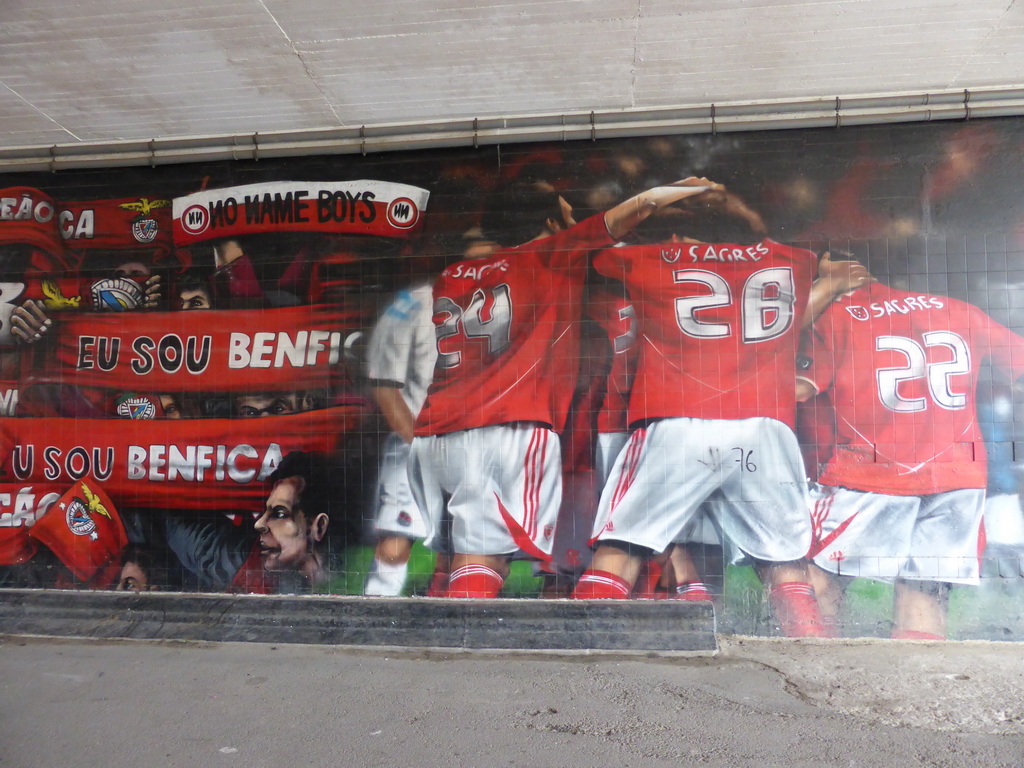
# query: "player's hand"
{"points": [[227, 252], [625, 216], [29, 322], [152, 293], [719, 198], [659, 197], [843, 276], [804, 390]]}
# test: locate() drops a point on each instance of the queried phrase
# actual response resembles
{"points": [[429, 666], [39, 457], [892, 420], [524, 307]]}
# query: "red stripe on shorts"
{"points": [[536, 453], [629, 467]]}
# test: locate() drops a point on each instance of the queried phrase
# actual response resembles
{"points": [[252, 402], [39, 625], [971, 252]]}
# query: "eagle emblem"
{"points": [[55, 297], [144, 205], [93, 503], [144, 227]]}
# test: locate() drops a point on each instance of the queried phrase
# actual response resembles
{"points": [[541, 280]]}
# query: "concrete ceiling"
{"points": [[104, 70]]}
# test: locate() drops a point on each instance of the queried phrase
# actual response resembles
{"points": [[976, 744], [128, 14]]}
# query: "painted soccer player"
{"points": [[902, 496], [485, 460], [710, 407], [611, 309], [400, 367]]}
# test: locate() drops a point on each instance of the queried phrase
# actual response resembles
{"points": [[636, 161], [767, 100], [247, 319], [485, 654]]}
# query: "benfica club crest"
{"points": [[671, 255], [79, 520], [116, 293], [144, 227], [858, 312], [136, 407]]}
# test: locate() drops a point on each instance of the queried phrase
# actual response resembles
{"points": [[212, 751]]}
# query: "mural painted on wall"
{"points": [[773, 371]]}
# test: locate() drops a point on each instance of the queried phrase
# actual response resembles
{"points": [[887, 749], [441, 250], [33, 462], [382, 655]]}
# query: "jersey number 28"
{"points": [[766, 301]]}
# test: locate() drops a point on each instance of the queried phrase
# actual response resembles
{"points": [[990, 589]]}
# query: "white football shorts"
{"points": [[609, 445], [397, 511], [668, 469], [700, 529], [924, 538], [498, 488]]}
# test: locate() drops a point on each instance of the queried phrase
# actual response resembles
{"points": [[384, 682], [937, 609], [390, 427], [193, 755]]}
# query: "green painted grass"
{"points": [[993, 611]]}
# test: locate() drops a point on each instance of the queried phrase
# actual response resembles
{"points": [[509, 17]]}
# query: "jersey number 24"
{"points": [[494, 324]]}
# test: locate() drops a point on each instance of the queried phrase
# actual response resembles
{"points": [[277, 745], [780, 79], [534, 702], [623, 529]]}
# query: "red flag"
{"points": [[85, 531]]}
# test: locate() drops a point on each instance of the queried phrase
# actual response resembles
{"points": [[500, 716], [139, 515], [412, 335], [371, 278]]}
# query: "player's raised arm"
{"points": [[834, 279], [625, 216]]}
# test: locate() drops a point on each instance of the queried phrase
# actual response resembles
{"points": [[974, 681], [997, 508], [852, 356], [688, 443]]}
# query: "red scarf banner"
{"points": [[201, 464], [8, 397], [362, 207], [201, 351], [29, 216], [20, 506], [113, 225]]}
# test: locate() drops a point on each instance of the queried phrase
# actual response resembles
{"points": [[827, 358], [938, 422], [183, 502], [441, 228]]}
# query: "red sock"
{"points": [[913, 634], [474, 580], [601, 585], [693, 590], [796, 608], [646, 587]]}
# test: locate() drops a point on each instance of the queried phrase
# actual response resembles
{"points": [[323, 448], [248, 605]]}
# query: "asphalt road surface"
{"points": [[132, 704]]}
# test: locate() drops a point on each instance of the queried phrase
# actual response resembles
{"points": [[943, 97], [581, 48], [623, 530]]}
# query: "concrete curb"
{"points": [[517, 625]]}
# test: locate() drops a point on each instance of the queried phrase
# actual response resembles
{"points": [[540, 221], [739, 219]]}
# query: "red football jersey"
{"points": [[614, 312], [718, 327], [508, 333], [901, 371]]}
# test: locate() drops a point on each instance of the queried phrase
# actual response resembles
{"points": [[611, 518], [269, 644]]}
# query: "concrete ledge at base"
{"points": [[558, 625]]}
